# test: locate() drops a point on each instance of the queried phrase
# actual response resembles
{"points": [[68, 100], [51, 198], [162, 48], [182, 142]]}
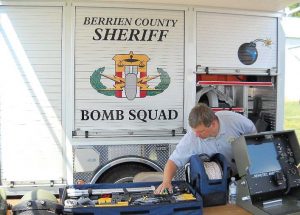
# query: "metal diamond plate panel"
{"points": [[85, 176], [158, 153]]}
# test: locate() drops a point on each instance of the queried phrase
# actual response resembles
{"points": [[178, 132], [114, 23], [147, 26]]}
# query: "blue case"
{"points": [[193, 207], [213, 192]]}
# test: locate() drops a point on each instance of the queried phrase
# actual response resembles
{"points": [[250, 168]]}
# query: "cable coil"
{"points": [[213, 170]]}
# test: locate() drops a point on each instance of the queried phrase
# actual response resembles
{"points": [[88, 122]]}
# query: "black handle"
{"points": [[134, 212], [186, 209]]}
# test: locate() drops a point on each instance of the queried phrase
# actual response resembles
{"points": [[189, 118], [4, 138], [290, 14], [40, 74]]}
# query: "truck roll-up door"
{"points": [[30, 77], [129, 71], [219, 37]]}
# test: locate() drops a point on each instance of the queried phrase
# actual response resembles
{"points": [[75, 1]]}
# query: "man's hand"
{"points": [[169, 172], [163, 187]]}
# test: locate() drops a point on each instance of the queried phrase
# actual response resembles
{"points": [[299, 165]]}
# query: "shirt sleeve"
{"points": [[247, 125], [184, 150]]}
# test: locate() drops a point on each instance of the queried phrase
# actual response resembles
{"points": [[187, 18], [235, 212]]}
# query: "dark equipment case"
{"points": [[268, 164], [187, 207]]}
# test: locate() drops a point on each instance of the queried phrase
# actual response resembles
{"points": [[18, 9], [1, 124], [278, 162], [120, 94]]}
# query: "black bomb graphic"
{"points": [[248, 53]]}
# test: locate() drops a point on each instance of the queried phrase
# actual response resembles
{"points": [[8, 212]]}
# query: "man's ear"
{"points": [[214, 123]]}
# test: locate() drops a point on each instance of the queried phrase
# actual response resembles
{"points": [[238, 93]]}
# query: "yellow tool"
{"points": [[185, 197], [118, 204], [106, 202]]}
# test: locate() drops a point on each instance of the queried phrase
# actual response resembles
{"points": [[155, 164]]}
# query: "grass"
{"points": [[292, 117]]}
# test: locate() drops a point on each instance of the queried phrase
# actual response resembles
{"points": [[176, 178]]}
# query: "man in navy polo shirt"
{"points": [[211, 133]]}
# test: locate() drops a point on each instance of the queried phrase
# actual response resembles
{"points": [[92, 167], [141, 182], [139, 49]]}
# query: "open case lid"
{"points": [[242, 154]]}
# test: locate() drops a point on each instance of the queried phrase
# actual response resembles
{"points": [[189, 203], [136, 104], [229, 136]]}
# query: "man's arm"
{"points": [[169, 173], [179, 157], [246, 124]]}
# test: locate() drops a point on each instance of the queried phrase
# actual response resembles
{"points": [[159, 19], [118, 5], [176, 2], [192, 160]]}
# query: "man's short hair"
{"points": [[201, 114]]}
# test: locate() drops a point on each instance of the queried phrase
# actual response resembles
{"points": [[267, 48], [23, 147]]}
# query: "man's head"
{"points": [[203, 121]]}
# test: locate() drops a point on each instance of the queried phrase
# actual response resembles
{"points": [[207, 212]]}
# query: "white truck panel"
{"points": [[30, 65], [49, 50], [220, 35], [91, 54]]}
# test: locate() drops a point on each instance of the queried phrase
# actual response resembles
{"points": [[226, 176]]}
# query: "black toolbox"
{"points": [[86, 199]]}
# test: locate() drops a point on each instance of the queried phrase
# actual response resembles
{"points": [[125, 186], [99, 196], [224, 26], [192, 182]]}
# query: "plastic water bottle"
{"points": [[232, 194]]}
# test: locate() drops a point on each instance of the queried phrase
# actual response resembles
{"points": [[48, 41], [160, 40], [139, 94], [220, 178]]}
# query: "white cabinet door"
{"points": [[220, 36], [30, 83], [129, 70]]}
